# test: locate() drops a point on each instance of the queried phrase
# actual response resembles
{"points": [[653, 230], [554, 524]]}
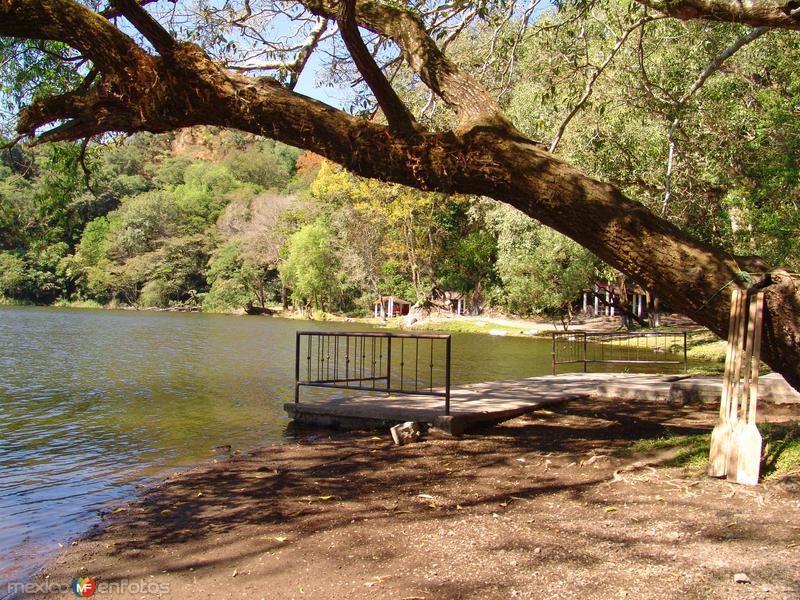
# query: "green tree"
{"points": [[311, 267]]}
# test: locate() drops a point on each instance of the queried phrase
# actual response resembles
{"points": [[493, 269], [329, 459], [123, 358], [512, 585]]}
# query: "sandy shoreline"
{"points": [[541, 507]]}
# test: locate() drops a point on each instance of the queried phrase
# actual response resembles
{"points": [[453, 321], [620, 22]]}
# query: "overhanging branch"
{"points": [[151, 29], [776, 14], [463, 94], [396, 113]]}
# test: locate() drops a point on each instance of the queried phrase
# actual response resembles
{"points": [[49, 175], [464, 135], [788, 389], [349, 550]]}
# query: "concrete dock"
{"points": [[470, 405], [493, 402]]}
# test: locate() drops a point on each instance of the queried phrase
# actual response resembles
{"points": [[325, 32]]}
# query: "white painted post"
{"points": [[376, 310], [391, 306], [596, 306], [459, 307], [585, 297], [608, 308]]}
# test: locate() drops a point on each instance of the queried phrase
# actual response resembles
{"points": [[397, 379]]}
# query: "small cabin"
{"points": [[391, 307]]}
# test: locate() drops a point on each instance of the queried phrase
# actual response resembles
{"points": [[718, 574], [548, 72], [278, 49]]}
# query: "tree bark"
{"points": [[780, 14]]}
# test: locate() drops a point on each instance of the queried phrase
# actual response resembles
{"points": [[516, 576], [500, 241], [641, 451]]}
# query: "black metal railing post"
{"points": [[685, 354], [297, 369], [389, 363], [446, 377], [585, 355]]}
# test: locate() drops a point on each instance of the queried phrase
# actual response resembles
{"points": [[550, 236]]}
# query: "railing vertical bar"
{"points": [[585, 356], [431, 365], [347, 357], [685, 354], [297, 369], [402, 361], [446, 376], [336, 357], [308, 357], [389, 362], [372, 367], [416, 366]]}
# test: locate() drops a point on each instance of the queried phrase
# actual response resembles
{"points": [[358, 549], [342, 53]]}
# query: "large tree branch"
{"points": [[782, 14], [394, 110], [75, 25], [465, 96], [151, 29]]}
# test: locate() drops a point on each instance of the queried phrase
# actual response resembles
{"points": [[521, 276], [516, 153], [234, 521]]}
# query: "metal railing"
{"points": [[393, 363], [619, 348]]}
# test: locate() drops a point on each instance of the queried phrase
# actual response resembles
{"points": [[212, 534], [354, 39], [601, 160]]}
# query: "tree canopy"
{"points": [[86, 69]]}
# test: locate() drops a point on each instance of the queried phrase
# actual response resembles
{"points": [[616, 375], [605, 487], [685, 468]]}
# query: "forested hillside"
{"points": [[219, 219], [222, 220]]}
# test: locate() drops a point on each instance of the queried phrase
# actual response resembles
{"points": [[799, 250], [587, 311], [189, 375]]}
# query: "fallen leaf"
{"points": [[426, 496], [324, 497], [166, 511], [610, 509], [281, 539], [235, 572], [119, 509]]}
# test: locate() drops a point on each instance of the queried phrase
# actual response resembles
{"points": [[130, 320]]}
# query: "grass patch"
{"points": [[77, 304], [780, 455], [693, 448], [14, 302], [459, 326], [781, 452]]}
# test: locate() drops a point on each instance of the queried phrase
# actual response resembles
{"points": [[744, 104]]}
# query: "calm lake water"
{"points": [[94, 402]]}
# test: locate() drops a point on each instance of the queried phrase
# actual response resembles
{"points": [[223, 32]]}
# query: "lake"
{"points": [[94, 403]]}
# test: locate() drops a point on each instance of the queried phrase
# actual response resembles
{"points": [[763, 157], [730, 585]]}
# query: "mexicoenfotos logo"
{"points": [[84, 586]]}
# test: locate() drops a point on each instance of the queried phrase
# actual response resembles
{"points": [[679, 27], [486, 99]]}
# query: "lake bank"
{"points": [[560, 502]]}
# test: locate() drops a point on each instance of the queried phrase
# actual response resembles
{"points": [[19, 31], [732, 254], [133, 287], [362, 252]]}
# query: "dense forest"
{"points": [[219, 219], [223, 220]]}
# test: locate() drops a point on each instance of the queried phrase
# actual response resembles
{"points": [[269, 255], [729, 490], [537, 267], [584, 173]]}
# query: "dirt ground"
{"points": [[544, 506]]}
